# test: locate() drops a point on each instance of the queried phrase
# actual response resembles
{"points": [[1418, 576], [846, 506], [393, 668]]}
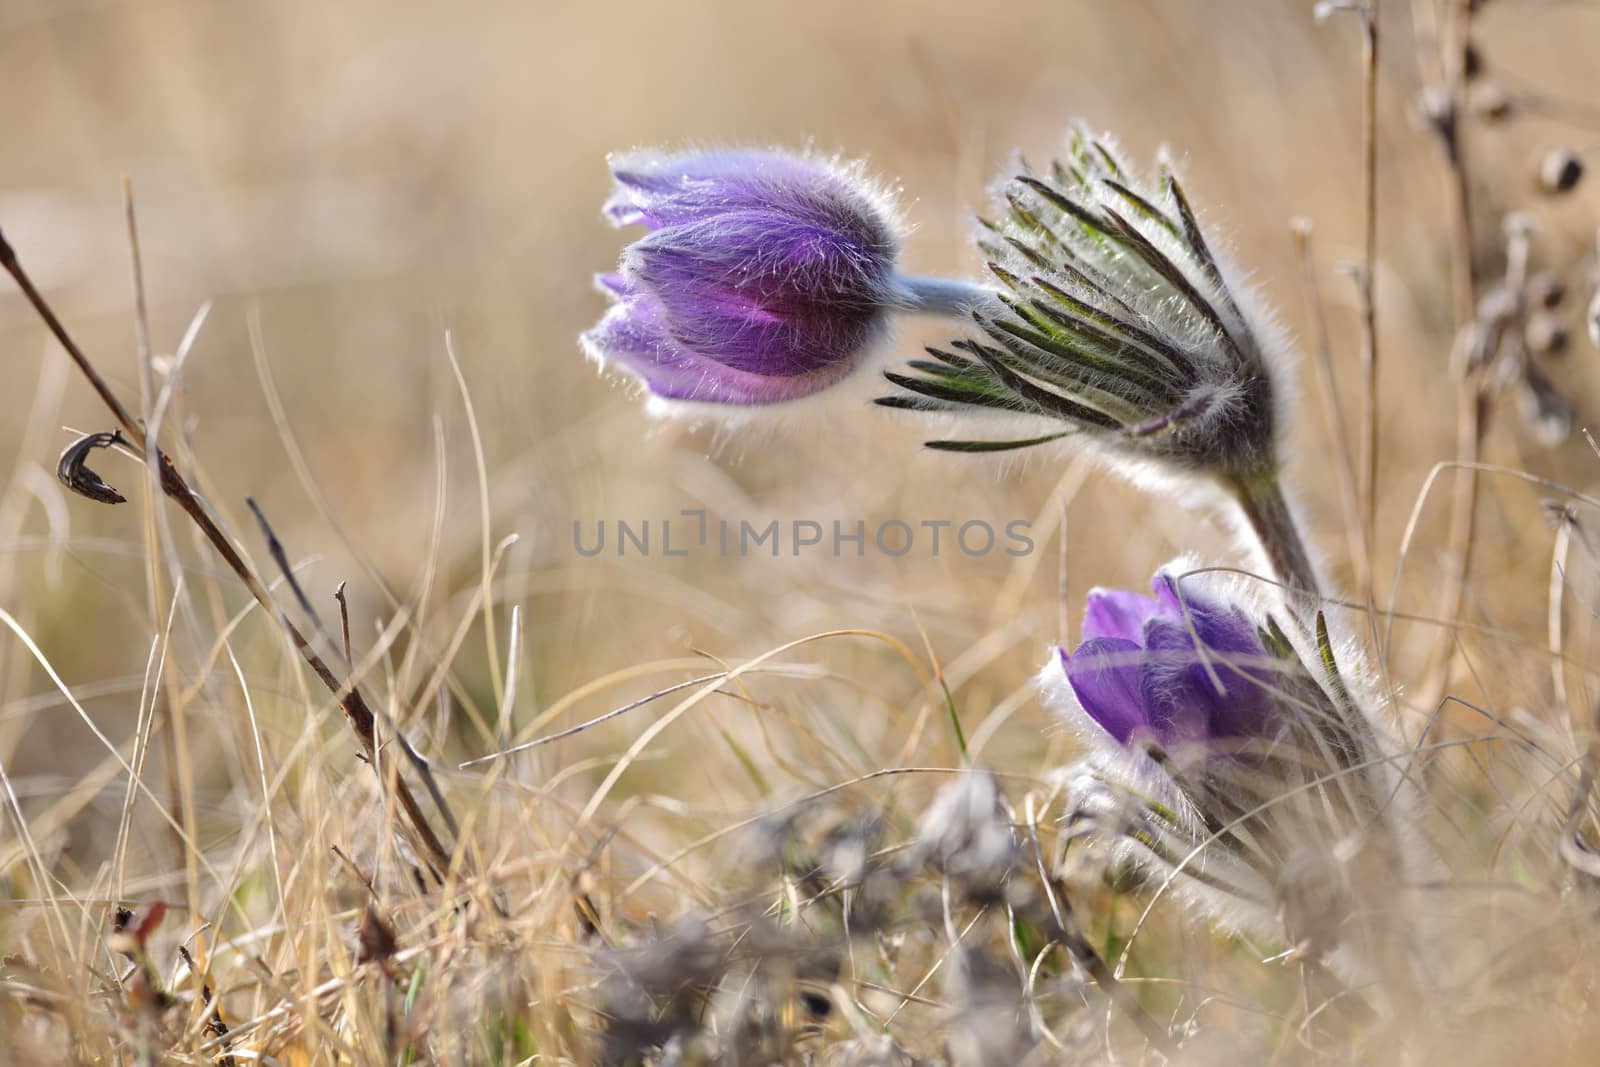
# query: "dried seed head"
{"points": [[1544, 410], [1591, 319], [1490, 102], [1560, 170], [1431, 109], [967, 837], [990, 1024], [72, 470], [1546, 333], [375, 938], [1480, 341], [652, 993], [875, 1051], [1545, 290], [1314, 900]]}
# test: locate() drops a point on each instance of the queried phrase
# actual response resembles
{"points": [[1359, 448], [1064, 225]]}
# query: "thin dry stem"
{"points": [[1333, 410], [1471, 396], [173, 485], [1369, 299]]}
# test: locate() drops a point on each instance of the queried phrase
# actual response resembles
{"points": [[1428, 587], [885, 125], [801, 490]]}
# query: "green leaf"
{"points": [[1044, 400], [1104, 350], [1144, 207], [1063, 365], [901, 402], [1092, 225], [1329, 664], [1169, 271], [1196, 240], [1118, 330], [994, 446], [954, 390], [1026, 218], [1108, 161], [950, 358]]}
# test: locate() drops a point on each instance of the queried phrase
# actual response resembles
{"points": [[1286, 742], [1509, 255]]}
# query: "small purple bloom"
{"points": [[1149, 667], [763, 278]]}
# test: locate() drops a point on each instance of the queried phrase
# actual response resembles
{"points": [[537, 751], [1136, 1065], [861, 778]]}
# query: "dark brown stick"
{"points": [[344, 621], [349, 696]]}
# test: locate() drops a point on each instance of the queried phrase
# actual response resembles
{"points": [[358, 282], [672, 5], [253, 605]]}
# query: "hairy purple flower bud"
{"points": [[1218, 749], [764, 277], [1178, 670]]}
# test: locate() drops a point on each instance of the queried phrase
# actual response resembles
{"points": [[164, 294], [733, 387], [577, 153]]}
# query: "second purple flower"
{"points": [[1175, 669]]}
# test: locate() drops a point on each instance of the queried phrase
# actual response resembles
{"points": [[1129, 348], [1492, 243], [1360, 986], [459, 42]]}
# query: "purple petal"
{"points": [[729, 172], [765, 275], [633, 337], [761, 293], [1165, 587], [1117, 613], [1174, 685], [614, 285], [1221, 627], [1180, 686], [659, 190], [774, 256], [1105, 674], [656, 189]]}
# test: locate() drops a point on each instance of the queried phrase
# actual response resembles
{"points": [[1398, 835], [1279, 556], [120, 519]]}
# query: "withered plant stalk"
{"points": [[347, 693]]}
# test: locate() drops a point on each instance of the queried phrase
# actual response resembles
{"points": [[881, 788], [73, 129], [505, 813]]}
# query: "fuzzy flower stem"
{"points": [[941, 296], [1267, 512]]}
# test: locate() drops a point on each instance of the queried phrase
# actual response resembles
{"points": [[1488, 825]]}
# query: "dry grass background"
{"points": [[348, 182]]}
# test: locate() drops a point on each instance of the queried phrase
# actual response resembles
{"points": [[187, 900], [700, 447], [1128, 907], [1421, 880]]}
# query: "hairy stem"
{"points": [[941, 296], [1267, 513]]}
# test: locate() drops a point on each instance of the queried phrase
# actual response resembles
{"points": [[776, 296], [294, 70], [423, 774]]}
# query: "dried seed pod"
{"points": [[1490, 102], [375, 939], [73, 471], [131, 930], [1560, 170], [1545, 290], [1545, 412], [1591, 319], [1546, 334], [1480, 340], [1314, 900], [1431, 109]]}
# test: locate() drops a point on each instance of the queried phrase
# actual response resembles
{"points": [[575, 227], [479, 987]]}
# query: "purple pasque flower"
{"points": [[764, 276], [1177, 669]]}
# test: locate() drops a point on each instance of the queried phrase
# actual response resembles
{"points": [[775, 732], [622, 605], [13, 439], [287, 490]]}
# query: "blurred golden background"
{"points": [[348, 182]]}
